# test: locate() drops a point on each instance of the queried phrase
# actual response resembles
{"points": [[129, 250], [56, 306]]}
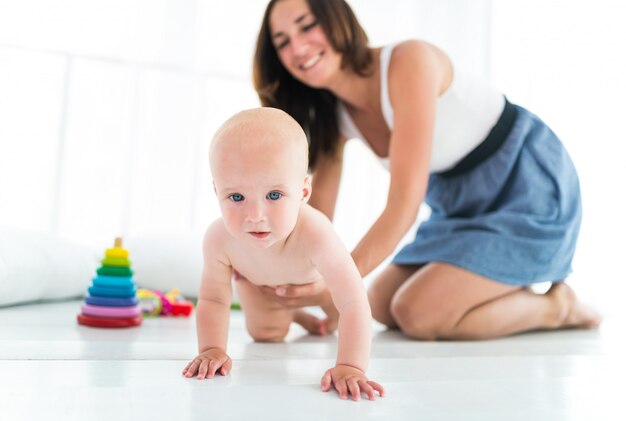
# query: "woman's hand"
{"points": [[350, 381], [295, 296]]}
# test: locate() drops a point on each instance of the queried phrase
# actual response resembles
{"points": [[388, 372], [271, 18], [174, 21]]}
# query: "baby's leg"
{"points": [[266, 320]]}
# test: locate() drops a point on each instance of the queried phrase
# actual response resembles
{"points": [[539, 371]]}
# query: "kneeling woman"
{"points": [[504, 194]]}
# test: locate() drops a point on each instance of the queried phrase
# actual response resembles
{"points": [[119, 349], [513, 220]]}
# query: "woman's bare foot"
{"points": [[572, 312], [310, 323]]}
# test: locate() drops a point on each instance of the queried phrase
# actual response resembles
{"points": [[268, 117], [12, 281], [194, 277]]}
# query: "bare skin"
{"points": [[441, 301], [271, 235], [312, 324], [436, 301], [478, 308]]}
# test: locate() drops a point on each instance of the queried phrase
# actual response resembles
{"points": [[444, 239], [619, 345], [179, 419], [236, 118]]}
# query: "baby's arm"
{"points": [[213, 308], [334, 263]]}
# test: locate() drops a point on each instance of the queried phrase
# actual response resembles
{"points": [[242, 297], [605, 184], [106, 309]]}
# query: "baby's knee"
{"points": [[268, 333]]}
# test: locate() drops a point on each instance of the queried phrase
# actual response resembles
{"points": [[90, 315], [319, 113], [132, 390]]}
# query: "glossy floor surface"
{"points": [[52, 368]]}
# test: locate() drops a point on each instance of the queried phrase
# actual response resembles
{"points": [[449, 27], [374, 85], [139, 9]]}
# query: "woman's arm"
{"points": [[418, 74]]}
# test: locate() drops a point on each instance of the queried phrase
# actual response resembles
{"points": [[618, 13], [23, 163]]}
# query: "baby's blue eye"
{"points": [[236, 197], [274, 195]]}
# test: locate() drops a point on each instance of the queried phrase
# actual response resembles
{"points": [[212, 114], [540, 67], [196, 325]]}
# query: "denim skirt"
{"points": [[513, 218]]}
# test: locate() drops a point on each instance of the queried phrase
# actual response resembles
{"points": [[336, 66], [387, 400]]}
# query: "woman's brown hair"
{"points": [[314, 109]]}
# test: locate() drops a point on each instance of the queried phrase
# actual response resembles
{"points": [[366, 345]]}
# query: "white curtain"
{"points": [[107, 108]]}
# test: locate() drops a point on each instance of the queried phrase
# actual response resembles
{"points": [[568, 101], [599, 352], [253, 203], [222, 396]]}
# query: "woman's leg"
{"points": [[382, 290], [442, 301]]}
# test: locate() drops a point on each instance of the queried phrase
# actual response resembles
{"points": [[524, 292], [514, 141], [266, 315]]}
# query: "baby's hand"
{"points": [[347, 379], [209, 362]]}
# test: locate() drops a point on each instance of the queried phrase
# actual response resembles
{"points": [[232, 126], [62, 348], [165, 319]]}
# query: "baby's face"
{"points": [[260, 188]]}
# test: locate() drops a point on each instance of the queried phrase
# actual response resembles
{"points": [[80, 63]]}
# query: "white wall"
{"points": [[566, 61], [107, 107]]}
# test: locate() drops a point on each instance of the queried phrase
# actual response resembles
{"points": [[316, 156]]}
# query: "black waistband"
{"points": [[489, 146]]}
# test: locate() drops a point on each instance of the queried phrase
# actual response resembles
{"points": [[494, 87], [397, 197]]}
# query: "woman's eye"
{"points": [[282, 45], [274, 195], [308, 27], [236, 197]]}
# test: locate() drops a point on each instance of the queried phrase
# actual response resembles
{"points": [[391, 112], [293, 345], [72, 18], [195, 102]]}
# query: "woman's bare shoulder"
{"points": [[413, 50], [419, 60], [414, 47]]}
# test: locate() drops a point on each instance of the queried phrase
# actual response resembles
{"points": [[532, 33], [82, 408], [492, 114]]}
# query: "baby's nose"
{"points": [[255, 212]]}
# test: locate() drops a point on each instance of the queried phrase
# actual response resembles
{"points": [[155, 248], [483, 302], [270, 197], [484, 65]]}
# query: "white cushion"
{"points": [[36, 267], [39, 267]]}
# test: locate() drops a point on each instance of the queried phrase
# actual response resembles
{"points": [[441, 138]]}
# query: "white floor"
{"points": [[51, 368]]}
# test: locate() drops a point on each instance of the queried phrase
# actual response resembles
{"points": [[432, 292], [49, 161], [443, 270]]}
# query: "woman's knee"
{"points": [[415, 319]]}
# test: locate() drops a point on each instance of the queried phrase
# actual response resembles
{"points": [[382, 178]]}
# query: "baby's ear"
{"points": [[306, 189]]}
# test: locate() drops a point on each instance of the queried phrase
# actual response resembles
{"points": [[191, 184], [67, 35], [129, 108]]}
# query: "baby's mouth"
{"points": [[259, 234]]}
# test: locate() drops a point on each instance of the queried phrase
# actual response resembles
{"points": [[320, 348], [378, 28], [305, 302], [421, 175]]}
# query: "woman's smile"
{"points": [[308, 64]]}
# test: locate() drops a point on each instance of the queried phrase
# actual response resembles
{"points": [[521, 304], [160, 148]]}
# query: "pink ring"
{"points": [[167, 306], [113, 312]]}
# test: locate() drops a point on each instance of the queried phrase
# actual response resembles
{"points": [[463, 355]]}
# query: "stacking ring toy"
{"points": [[111, 301], [93, 321], [116, 262], [114, 312], [114, 271], [111, 292], [117, 250], [106, 281]]}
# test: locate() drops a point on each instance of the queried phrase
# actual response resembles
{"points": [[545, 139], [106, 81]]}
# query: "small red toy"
{"points": [[180, 306]]}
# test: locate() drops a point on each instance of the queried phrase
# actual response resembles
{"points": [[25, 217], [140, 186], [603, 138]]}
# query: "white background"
{"points": [[107, 108]]}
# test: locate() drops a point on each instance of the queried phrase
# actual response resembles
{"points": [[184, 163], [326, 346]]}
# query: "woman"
{"points": [[504, 193]]}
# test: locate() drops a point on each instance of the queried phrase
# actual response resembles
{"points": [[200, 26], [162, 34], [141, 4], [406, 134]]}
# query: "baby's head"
{"points": [[259, 161]]}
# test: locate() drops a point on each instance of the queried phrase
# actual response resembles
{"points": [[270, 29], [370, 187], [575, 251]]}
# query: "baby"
{"points": [[271, 236]]}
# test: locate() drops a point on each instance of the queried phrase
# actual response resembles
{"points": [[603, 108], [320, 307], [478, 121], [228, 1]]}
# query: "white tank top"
{"points": [[465, 114]]}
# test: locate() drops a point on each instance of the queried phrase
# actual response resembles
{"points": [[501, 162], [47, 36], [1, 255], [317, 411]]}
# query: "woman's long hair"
{"points": [[315, 109]]}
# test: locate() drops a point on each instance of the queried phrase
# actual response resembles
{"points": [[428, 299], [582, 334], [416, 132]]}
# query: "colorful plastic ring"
{"points": [[113, 281], [93, 321], [111, 301], [113, 312], [150, 303], [111, 292]]}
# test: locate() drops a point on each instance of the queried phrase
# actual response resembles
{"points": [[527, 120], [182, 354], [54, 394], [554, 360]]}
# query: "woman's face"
{"points": [[301, 44]]}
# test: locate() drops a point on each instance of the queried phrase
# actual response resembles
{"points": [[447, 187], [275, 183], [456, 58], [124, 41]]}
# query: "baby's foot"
{"points": [[574, 313], [314, 325], [332, 323], [310, 323]]}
